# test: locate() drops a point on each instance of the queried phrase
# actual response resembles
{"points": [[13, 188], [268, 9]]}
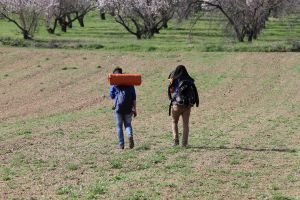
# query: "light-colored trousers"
{"points": [[185, 112]]}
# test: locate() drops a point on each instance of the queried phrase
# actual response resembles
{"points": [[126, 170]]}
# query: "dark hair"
{"points": [[181, 72], [117, 70]]}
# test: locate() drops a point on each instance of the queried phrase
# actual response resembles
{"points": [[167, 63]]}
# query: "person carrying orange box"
{"points": [[124, 97]]}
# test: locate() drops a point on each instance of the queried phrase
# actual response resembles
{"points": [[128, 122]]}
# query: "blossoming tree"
{"points": [[142, 18], [65, 12], [25, 14]]}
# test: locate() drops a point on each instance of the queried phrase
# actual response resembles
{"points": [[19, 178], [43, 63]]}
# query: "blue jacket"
{"points": [[113, 90]]}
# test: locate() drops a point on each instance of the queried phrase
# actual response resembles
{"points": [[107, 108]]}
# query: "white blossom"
{"points": [[142, 18]]}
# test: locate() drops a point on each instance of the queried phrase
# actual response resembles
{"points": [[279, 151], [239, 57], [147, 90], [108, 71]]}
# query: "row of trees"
{"points": [[143, 18], [26, 14]]}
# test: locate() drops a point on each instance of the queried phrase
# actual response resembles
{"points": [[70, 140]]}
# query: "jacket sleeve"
{"points": [[170, 90], [112, 92]]}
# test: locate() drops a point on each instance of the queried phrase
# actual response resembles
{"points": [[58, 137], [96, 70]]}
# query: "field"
{"points": [[207, 35], [58, 136]]}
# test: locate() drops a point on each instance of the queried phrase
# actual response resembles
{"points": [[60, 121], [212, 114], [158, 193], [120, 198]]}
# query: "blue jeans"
{"points": [[126, 120]]}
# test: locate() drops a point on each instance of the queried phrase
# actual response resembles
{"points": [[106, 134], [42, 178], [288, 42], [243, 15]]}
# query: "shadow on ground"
{"points": [[245, 149]]}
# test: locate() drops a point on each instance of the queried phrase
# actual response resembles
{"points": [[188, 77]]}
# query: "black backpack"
{"points": [[187, 95]]}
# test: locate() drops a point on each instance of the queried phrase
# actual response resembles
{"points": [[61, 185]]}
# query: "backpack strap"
{"points": [[116, 98], [170, 96], [170, 107], [169, 90]]}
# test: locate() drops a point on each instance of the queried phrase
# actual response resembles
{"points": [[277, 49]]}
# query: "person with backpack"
{"points": [[183, 95], [124, 108]]}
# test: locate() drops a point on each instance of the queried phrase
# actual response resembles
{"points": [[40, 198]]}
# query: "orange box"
{"points": [[125, 79]]}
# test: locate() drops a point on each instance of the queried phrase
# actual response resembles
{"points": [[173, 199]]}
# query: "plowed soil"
{"points": [[57, 132]]}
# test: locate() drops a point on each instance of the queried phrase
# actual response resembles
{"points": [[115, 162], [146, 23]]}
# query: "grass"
{"points": [[95, 191], [116, 164], [64, 190], [72, 166], [60, 143], [206, 36]]}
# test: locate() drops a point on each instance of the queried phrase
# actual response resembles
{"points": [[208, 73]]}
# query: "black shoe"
{"points": [[120, 146], [131, 143]]}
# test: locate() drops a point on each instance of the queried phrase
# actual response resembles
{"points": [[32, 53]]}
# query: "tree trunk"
{"points": [[154, 30], [138, 35], [26, 35], [241, 39], [165, 25], [255, 36], [64, 27], [102, 16], [240, 36], [70, 24], [81, 21], [52, 30], [63, 24], [250, 37]]}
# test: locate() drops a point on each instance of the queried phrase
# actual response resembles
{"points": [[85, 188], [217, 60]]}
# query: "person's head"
{"points": [[181, 72], [118, 70]]}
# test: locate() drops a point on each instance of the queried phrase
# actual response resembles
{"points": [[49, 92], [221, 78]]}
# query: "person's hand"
{"points": [[134, 113]]}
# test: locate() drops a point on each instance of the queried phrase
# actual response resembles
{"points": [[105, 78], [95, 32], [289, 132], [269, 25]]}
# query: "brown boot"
{"points": [[176, 142], [184, 144], [131, 143]]}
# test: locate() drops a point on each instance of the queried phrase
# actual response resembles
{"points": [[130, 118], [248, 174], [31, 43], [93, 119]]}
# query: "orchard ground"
{"points": [[57, 131]]}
